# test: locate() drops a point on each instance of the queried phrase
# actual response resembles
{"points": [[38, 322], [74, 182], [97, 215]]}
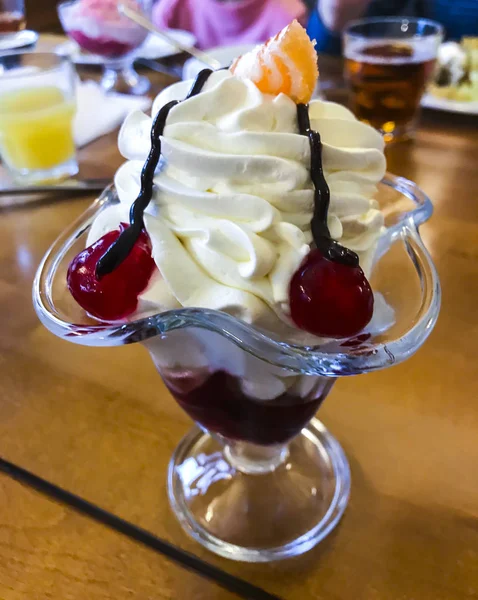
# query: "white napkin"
{"points": [[98, 113]]}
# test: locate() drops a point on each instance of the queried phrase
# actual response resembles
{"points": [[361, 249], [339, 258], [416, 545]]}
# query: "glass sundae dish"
{"points": [[98, 27], [237, 246]]}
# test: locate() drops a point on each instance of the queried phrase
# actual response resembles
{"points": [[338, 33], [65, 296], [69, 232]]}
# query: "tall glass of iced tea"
{"points": [[388, 62]]}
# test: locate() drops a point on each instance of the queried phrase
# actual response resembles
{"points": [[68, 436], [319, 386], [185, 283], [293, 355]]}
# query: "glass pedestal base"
{"points": [[123, 79], [244, 515]]}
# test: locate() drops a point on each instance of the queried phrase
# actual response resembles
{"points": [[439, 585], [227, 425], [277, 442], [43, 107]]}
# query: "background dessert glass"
{"points": [[37, 106], [12, 16], [388, 62], [109, 34], [260, 479]]}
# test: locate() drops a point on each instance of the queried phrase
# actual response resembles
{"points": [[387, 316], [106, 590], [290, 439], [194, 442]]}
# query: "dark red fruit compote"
{"points": [[218, 402], [103, 46]]}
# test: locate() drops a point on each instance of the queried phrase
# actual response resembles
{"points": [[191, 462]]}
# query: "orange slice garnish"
{"points": [[286, 64]]}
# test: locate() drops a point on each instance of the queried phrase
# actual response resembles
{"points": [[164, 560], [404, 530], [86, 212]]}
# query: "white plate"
{"points": [[224, 54], [11, 41], [153, 47], [467, 108]]}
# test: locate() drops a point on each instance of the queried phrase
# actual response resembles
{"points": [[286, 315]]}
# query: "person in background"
{"points": [[459, 17], [228, 22], [329, 17]]}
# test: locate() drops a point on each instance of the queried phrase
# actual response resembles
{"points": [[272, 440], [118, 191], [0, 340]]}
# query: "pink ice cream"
{"points": [[98, 27], [104, 10]]}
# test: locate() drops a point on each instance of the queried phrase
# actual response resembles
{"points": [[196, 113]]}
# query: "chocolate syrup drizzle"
{"points": [[121, 248], [320, 230]]}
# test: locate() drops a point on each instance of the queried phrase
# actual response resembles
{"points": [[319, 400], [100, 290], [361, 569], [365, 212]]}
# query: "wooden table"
{"points": [[100, 423]]}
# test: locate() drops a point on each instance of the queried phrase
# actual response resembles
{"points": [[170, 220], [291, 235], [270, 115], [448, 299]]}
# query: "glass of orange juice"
{"points": [[37, 106]]}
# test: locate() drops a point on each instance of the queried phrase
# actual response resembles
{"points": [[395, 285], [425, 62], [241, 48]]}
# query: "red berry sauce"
{"points": [[217, 402], [102, 46], [115, 295]]}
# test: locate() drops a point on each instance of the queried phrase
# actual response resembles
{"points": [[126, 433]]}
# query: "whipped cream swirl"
{"points": [[230, 216]]}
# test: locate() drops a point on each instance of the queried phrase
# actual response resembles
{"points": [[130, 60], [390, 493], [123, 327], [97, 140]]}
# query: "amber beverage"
{"points": [[387, 82], [11, 22], [388, 75], [12, 16]]}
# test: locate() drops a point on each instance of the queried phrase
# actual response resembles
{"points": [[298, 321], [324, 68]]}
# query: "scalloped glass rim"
{"points": [[329, 359]]}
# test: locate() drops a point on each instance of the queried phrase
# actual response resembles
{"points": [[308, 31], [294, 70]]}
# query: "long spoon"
{"points": [[141, 20]]}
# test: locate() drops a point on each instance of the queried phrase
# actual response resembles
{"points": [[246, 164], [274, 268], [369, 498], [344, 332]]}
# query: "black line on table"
{"points": [[233, 584]]}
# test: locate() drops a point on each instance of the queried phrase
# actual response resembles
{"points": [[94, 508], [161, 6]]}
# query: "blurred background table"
{"points": [[100, 423], [42, 16]]}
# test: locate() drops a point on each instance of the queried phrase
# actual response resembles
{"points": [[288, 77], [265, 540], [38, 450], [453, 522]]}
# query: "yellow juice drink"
{"points": [[36, 130]]}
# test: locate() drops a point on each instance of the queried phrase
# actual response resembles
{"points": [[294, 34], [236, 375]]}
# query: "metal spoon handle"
{"points": [[141, 20]]}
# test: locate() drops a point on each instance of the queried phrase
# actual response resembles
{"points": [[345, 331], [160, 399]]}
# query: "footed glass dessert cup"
{"points": [[259, 478], [98, 27]]}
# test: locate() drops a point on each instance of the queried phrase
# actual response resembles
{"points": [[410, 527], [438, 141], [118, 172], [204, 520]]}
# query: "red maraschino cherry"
{"points": [[115, 295], [329, 298]]}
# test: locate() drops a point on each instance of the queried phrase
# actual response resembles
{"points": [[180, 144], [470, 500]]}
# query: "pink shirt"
{"points": [[230, 22]]}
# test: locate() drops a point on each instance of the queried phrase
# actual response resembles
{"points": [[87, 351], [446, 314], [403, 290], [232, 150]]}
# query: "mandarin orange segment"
{"points": [[287, 64]]}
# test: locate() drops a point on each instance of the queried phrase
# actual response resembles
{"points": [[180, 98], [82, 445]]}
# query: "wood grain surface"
{"points": [[100, 423]]}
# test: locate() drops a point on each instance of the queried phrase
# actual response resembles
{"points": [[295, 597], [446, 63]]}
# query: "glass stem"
{"points": [[253, 459], [119, 76]]}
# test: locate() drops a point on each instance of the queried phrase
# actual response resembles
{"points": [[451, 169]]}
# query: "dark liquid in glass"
{"points": [[11, 22], [217, 402], [387, 82]]}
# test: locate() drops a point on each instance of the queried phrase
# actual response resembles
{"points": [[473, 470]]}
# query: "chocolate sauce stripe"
{"points": [[320, 230], [121, 248]]}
